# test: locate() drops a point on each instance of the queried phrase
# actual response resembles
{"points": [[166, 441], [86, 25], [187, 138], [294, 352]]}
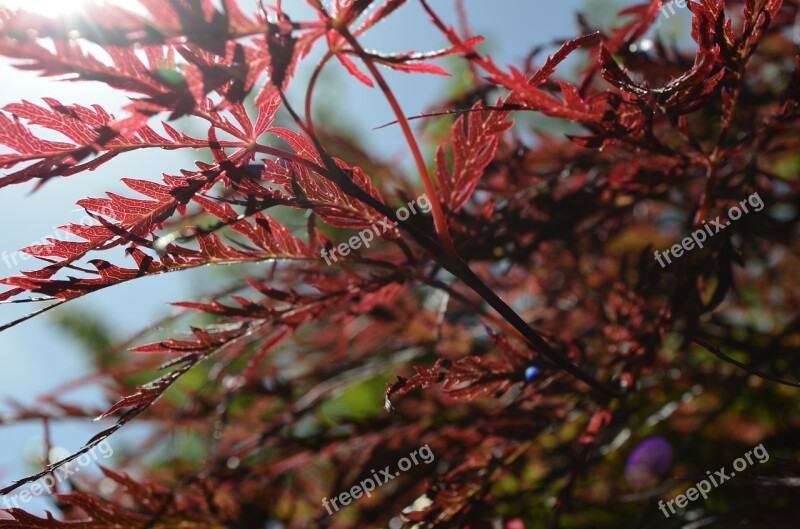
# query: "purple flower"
{"points": [[648, 461]]}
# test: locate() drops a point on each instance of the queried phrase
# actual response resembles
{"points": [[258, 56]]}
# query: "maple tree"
{"points": [[537, 253]]}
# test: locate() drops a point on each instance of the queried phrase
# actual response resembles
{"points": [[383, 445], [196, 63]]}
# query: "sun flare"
{"points": [[45, 7]]}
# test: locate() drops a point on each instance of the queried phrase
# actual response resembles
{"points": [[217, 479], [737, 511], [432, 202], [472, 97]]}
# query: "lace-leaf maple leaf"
{"points": [[137, 504], [125, 220], [93, 134], [467, 377], [137, 219], [133, 405], [331, 203], [474, 142], [267, 240]]}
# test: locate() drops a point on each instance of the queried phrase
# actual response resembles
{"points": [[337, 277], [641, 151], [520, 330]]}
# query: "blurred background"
{"points": [[47, 352]]}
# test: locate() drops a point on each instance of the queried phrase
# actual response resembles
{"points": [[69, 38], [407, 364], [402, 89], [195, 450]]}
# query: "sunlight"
{"points": [[45, 7]]}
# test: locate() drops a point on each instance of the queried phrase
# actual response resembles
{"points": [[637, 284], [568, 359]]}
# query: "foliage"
{"points": [[537, 252]]}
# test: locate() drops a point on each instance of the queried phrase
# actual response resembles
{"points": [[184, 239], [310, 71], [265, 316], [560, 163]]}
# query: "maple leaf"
{"points": [[137, 218], [92, 131], [134, 405], [141, 504], [268, 240], [333, 205], [474, 142], [467, 377], [126, 220]]}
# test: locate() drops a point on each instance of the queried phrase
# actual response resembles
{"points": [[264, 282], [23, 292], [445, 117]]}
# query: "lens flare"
{"points": [[45, 7]]}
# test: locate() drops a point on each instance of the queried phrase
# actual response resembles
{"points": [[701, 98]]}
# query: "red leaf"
{"points": [[93, 132], [353, 70], [474, 142]]}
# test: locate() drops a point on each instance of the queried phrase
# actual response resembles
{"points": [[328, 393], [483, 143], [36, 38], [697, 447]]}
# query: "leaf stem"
{"points": [[312, 83], [440, 223]]}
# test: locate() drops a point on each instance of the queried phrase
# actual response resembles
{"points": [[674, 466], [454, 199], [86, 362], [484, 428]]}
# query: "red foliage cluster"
{"points": [[536, 253]]}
